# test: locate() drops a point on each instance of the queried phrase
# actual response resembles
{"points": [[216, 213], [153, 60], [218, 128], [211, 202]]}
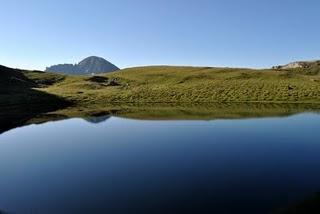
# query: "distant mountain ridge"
{"points": [[89, 65]]}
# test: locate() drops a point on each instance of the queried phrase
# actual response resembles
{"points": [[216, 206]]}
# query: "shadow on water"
{"points": [[311, 205], [17, 116]]}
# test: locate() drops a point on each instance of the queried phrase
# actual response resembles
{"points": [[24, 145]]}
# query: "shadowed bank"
{"points": [[19, 101]]}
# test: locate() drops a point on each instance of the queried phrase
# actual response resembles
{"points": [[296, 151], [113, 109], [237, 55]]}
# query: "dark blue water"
{"points": [[132, 166]]}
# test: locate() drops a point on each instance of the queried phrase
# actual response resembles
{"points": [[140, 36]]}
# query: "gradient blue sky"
{"points": [[246, 33]]}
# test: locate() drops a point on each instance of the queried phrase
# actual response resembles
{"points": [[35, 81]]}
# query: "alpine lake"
{"points": [[213, 158]]}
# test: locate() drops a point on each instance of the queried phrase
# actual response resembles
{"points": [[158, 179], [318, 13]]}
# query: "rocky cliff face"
{"points": [[89, 65]]}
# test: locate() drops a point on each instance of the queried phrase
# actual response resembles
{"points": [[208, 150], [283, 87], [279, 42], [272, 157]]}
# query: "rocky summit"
{"points": [[89, 65]]}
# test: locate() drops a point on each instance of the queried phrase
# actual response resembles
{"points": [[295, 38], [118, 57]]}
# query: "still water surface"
{"points": [[136, 166]]}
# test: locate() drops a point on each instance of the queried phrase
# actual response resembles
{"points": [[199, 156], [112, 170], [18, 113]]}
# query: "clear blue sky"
{"points": [[246, 33]]}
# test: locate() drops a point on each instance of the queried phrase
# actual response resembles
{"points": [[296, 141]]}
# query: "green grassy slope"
{"points": [[193, 84]]}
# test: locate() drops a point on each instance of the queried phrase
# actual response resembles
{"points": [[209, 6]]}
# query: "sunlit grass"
{"points": [[192, 84]]}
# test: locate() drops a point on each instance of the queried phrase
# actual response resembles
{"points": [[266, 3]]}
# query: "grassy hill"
{"points": [[165, 84], [21, 99], [157, 92], [19, 87]]}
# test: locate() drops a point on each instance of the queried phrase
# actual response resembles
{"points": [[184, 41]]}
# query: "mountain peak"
{"points": [[92, 64], [93, 58]]}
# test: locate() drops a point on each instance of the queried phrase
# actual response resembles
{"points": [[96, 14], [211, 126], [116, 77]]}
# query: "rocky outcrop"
{"points": [[300, 64]]}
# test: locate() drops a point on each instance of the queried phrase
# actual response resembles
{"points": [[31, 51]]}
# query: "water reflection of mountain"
{"points": [[96, 120]]}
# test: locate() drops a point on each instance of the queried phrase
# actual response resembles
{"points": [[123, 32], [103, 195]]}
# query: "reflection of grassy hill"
{"points": [[192, 84], [212, 111], [99, 113]]}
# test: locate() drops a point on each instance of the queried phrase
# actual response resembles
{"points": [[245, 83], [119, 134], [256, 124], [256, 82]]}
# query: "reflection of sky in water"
{"points": [[141, 166]]}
